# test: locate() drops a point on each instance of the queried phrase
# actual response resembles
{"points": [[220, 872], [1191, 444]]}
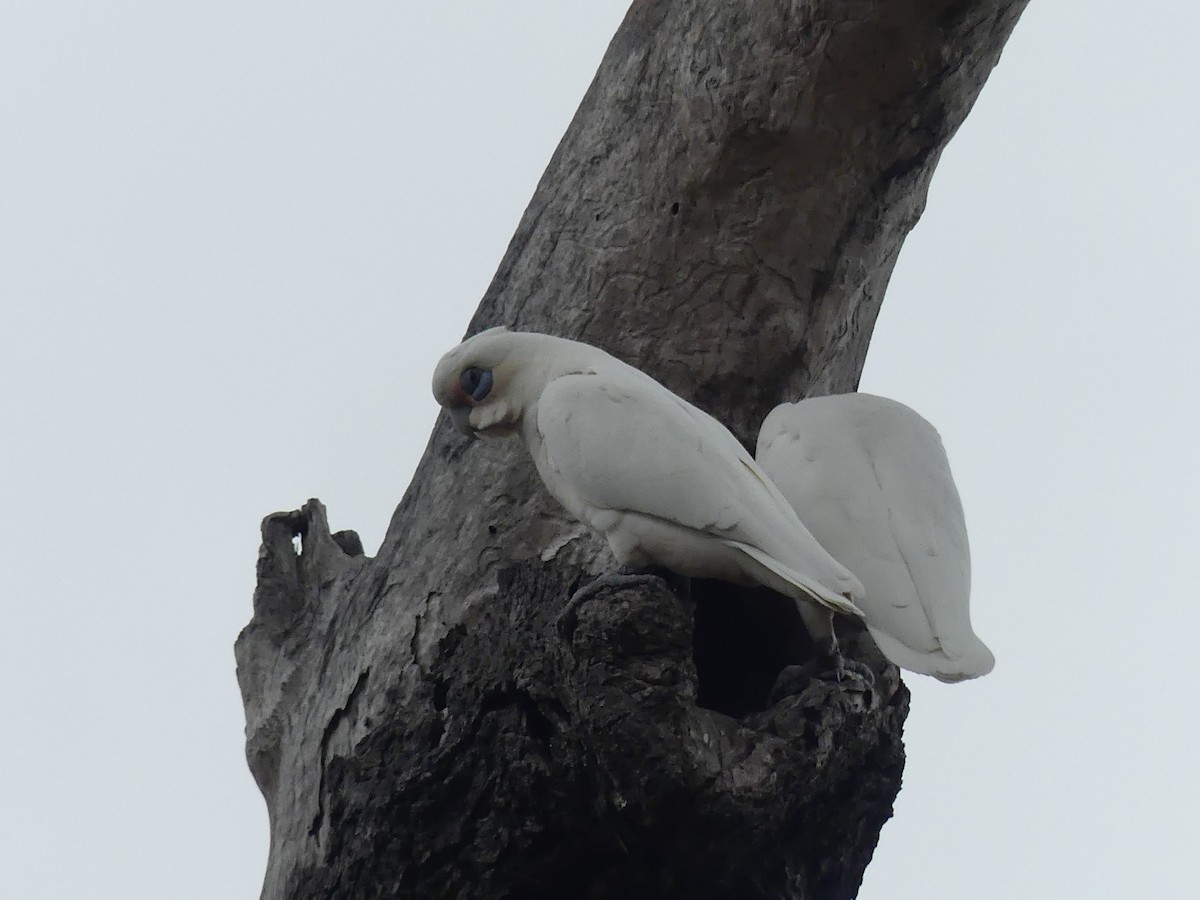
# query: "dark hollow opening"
{"points": [[743, 639]]}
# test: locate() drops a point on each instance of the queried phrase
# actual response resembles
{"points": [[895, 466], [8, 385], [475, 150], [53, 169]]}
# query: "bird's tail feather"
{"points": [[809, 587], [977, 659]]}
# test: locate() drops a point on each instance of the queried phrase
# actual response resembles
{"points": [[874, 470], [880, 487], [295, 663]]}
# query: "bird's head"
{"points": [[479, 383]]}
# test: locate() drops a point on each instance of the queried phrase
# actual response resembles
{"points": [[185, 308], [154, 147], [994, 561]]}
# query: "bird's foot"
{"points": [[843, 666], [623, 577], [847, 669], [845, 673]]}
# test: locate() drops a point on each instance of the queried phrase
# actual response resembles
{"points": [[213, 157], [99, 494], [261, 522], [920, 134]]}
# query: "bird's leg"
{"points": [[819, 621], [847, 665], [625, 576]]}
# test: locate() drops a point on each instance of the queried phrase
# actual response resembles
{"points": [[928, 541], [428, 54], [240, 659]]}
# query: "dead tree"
{"points": [[724, 212]]}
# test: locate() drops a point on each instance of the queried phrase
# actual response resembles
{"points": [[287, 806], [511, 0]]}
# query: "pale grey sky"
{"points": [[234, 239]]}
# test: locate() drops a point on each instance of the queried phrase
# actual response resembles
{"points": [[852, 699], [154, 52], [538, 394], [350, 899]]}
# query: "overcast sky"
{"points": [[234, 240]]}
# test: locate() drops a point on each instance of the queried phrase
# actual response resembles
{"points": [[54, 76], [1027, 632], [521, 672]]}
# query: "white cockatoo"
{"points": [[870, 479], [665, 483]]}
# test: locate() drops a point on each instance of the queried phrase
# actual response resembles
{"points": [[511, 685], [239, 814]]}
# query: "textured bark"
{"points": [[724, 212]]}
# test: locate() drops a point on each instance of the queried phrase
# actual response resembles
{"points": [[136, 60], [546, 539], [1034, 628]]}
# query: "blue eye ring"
{"points": [[475, 382]]}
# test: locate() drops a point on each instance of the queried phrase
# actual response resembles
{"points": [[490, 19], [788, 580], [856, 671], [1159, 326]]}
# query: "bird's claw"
{"points": [[569, 617], [846, 666]]}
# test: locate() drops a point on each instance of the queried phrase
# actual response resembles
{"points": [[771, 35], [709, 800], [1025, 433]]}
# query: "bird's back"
{"points": [[870, 479]]}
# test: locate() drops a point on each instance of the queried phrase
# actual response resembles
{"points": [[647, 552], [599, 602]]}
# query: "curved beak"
{"points": [[461, 417]]}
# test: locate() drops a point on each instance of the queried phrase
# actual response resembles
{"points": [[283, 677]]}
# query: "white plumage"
{"points": [[870, 479], [664, 482]]}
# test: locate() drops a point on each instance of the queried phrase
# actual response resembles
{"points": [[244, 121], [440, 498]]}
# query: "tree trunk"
{"points": [[724, 212]]}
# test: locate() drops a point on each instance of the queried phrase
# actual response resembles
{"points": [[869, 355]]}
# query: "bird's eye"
{"points": [[476, 382]]}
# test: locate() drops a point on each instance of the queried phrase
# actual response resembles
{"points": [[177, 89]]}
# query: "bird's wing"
{"points": [[870, 479], [620, 441]]}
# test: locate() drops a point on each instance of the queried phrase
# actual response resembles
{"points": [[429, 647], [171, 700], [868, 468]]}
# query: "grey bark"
{"points": [[724, 212]]}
